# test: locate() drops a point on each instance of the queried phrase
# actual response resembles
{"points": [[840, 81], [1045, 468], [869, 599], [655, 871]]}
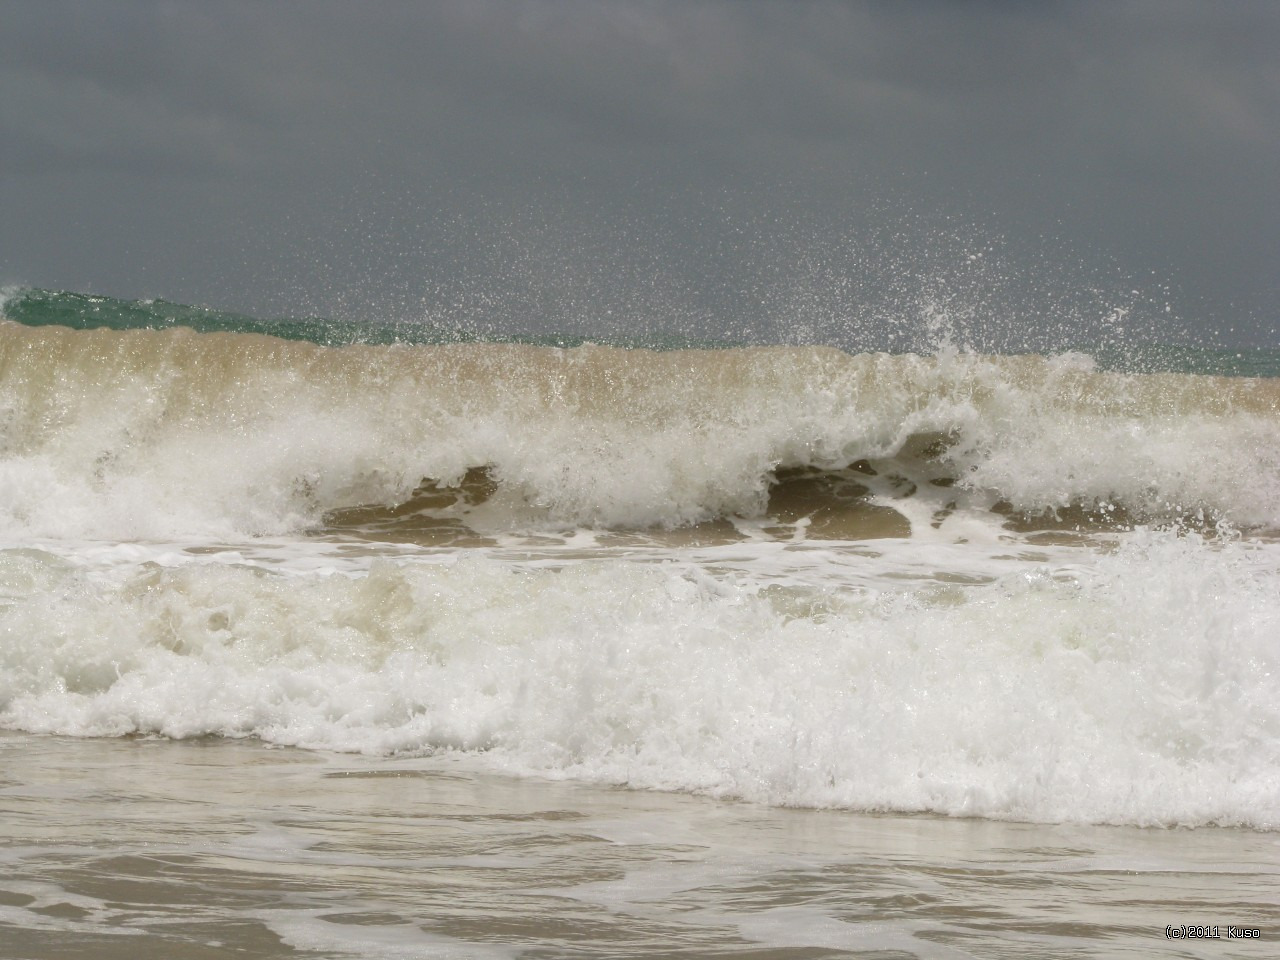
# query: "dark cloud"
{"points": [[560, 163]]}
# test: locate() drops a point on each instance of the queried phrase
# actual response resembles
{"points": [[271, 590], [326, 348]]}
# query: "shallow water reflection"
{"points": [[214, 848]]}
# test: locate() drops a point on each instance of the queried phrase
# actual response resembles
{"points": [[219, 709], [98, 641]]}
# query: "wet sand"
{"points": [[204, 849]]}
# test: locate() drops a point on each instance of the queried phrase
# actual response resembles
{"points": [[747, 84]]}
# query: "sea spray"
{"points": [[1020, 587], [171, 434]]}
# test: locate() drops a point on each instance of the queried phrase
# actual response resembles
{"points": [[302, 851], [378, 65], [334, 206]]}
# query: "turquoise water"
{"points": [[83, 311]]}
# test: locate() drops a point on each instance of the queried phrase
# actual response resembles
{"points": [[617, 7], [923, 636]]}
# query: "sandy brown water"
{"points": [[129, 849]]}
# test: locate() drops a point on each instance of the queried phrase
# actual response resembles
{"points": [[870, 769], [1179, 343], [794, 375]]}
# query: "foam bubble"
{"points": [[1139, 686]]}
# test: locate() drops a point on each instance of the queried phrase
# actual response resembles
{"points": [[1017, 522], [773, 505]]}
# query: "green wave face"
{"points": [[83, 311]]}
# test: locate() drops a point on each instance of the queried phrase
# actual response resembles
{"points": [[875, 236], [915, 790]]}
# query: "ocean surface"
{"points": [[327, 640]]}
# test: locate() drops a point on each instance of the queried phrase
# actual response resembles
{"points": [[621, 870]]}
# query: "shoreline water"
{"points": [[213, 848]]}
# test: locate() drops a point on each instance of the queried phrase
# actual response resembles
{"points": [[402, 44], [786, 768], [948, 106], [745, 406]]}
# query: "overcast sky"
{"points": [[792, 168]]}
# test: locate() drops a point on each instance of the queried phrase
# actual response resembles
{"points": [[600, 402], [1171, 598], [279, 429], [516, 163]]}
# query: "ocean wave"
{"points": [[1137, 689], [165, 434]]}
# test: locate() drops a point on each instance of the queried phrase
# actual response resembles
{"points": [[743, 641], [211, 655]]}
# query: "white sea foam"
{"points": [[1139, 686], [149, 434], [938, 661]]}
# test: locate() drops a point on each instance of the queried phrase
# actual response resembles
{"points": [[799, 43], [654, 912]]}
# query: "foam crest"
{"points": [[149, 434], [1140, 687]]}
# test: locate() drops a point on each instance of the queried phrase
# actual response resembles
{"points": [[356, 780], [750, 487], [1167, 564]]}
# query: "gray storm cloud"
{"points": [[559, 163]]}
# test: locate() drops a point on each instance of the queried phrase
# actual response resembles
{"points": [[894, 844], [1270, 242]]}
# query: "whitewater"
{"points": [[1019, 588], [327, 640]]}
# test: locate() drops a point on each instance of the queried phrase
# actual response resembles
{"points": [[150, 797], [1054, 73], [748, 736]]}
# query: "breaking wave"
{"points": [[153, 434], [656, 571], [1138, 690]]}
